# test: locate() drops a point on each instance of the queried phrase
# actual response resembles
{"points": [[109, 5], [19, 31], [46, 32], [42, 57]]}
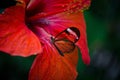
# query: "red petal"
{"points": [[15, 37], [50, 65], [56, 19], [42, 8], [59, 22], [75, 20], [46, 5]]}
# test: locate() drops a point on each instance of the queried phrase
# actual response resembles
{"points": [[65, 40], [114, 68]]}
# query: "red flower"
{"points": [[50, 28]]}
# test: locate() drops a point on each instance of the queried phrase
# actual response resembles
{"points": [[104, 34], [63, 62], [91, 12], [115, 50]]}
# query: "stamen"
{"points": [[77, 6], [71, 7]]}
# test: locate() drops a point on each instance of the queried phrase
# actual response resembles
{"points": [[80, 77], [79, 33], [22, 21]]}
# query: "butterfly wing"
{"points": [[65, 46]]}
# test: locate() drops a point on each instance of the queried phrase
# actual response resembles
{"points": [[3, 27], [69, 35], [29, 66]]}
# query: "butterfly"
{"points": [[65, 40]]}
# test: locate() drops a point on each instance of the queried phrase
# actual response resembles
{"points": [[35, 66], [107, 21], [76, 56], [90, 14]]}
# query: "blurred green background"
{"points": [[103, 34]]}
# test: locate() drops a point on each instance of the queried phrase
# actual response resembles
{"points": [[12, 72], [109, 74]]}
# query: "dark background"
{"points": [[103, 32]]}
